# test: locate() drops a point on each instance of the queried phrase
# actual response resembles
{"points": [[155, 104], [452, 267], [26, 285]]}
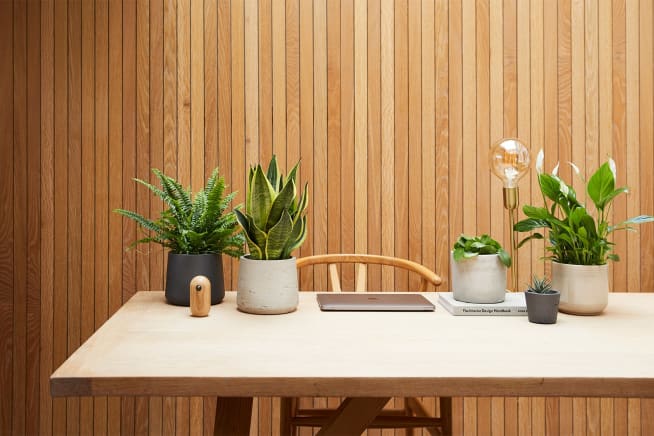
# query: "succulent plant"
{"points": [[274, 221], [540, 285]]}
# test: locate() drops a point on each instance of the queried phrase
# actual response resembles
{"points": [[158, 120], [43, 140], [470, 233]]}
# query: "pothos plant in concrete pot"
{"points": [[274, 224], [542, 301], [197, 230], [479, 266], [578, 236]]}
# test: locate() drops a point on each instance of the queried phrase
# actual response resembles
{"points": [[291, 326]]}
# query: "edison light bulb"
{"points": [[509, 159]]}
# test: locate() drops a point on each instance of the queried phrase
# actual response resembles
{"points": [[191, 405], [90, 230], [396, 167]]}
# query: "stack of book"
{"points": [[513, 304]]}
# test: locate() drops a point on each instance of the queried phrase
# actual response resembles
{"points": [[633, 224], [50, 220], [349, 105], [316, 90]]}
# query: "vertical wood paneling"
{"points": [[7, 223], [632, 166], [333, 127], [306, 71], [401, 160], [391, 105], [224, 104], [646, 112], [47, 212], [19, 358], [33, 222], [361, 126], [414, 151], [347, 61], [387, 135], [251, 59]]}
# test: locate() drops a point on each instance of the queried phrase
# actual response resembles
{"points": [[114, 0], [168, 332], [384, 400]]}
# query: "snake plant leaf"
{"points": [[248, 194], [255, 251], [304, 202], [277, 237], [292, 174], [298, 235], [273, 173], [281, 203], [256, 234], [262, 197]]}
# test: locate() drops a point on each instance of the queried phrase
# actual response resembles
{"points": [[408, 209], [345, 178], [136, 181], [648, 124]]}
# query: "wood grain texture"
{"points": [[7, 224], [390, 104]]}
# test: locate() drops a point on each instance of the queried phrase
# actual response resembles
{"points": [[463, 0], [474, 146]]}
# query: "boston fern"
{"points": [[274, 221], [576, 236], [196, 225]]}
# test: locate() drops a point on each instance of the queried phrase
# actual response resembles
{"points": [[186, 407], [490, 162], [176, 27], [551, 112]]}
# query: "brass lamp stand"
{"points": [[511, 200], [509, 160]]}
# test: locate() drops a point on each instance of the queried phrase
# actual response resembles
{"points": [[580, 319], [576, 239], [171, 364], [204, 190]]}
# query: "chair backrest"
{"points": [[426, 275]]}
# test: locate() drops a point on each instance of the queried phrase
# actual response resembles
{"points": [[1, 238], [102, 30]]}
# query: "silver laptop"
{"points": [[365, 301]]}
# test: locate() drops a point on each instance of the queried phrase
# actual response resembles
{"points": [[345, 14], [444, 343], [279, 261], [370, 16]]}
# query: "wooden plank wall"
{"points": [[392, 106]]}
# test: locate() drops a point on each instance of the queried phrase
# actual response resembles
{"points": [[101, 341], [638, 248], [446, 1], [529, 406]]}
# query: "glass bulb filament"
{"points": [[509, 160]]}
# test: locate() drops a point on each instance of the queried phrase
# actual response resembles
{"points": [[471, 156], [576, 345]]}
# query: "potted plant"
{"points": [[578, 237], [197, 230], [479, 269], [542, 301], [274, 225]]}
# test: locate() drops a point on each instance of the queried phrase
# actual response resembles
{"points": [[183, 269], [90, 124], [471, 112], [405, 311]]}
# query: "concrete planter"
{"points": [[181, 270], [542, 308], [584, 288], [479, 279], [267, 287]]}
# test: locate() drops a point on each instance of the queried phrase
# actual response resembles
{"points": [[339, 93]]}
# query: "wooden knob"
{"points": [[200, 296]]}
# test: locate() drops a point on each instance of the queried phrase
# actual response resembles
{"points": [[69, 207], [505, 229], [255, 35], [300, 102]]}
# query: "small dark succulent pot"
{"points": [[542, 308], [181, 270]]}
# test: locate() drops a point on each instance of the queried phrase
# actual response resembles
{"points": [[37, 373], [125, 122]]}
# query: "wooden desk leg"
{"points": [[233, 416], [353, 416], [446, 415]]}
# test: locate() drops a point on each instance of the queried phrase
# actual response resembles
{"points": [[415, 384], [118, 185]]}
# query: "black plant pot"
{"points": [[181, 270], [542, 308]]}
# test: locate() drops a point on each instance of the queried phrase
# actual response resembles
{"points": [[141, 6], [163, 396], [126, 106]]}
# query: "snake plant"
{"points": [[274, 221], [191, 225]]}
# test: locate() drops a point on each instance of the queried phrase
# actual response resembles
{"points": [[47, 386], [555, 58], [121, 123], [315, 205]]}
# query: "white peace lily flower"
{"points": [[555, 171], [613, 168], [563, 187], [539, 161], [574, 167]]}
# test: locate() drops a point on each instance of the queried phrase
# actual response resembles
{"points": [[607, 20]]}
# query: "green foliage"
{"points": [[468, 246], [274, 222], [191, 225], [540, 286], [575, 236]]}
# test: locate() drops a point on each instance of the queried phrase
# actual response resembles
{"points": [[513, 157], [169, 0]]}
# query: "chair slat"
{"points": [[333, 276], [361, 278]]}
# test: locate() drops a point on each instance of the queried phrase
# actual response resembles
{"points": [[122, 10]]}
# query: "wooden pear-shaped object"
{"points": [[200, 296]]}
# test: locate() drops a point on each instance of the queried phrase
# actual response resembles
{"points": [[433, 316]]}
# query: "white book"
{"points": [[513, 304]]}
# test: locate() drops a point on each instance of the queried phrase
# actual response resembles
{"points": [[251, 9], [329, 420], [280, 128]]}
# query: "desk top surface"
{"points": [[151, 348]]}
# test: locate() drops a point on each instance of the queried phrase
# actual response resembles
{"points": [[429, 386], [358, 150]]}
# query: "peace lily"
{"points": [[575, 236]]}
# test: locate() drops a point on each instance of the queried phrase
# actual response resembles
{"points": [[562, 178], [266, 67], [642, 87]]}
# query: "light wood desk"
{"points": [[151, 348]]}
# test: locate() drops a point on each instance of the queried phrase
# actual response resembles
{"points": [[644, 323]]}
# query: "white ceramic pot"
{"points": [[584, 288], [267, 287], [479, 279]]}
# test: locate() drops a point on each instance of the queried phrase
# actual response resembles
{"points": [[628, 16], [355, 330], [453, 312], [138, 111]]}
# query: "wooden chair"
{"points": [[414, 414]]}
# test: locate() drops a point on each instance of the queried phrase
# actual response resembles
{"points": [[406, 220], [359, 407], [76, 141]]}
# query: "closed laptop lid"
{"points": [[359, 301]]}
